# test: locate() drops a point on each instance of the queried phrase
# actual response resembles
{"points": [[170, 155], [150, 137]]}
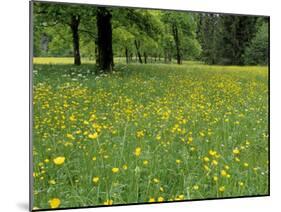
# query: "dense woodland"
{"points": [[147, 36]]}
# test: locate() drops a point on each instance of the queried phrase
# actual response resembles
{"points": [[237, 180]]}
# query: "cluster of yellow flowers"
{"points": [[175, 136]]}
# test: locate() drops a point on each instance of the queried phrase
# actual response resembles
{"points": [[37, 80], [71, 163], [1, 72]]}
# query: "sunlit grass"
{"points": [[59, 60], [148, 133]]}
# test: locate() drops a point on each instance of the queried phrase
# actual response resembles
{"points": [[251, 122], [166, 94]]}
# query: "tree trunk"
{"points": [[127, 55], [104, 40], [145, 57], [96, 52], [74, 24], [131, 57], [137, 44], [177, 42]]}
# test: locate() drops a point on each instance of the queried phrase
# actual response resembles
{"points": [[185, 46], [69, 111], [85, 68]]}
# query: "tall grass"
{"points": [[148, 133]]}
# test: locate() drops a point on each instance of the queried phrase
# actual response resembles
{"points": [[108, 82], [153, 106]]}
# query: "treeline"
{"points": [[101, 34], [233, 40]]}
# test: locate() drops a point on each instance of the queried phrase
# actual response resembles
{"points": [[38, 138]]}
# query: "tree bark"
{"points": [[104, 40], [145, 57], [177, 42], [74, 24], [127, 55], [96, 52], [137, 44]]}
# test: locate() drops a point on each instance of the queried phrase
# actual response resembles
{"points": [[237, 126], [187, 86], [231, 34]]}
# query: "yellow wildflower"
{"points": [[195, 187], [115, 170], [235, 151], [160, 199], [55, 203], [206, 159], [151, 199], [214, 162], [223, 173], [52, 182], [96, 179], [212, 152], [156, 180], [59, 160], [221, 188], [178, 161], [140, 134], [158, 137], [108, 202], [93, 135], [137, 151]]}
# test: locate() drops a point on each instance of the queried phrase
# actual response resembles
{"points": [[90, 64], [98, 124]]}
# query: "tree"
{"points": [[51, 14], [257, 51], [207, 34], [104, 40], [180, 25], [235, 35]]}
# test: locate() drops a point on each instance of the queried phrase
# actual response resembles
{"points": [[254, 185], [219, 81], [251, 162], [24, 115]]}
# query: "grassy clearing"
{"points": [[148, 133]]}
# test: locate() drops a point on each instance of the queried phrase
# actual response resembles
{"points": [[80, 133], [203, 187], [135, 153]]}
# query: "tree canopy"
{"points": [[145, 35]]}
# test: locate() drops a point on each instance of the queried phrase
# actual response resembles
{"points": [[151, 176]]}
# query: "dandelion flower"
{"points": [[195, 187], [236, 151], [55, 203], [155, 180], [160, 199], [215, 178], [93, 135], [206, 159], [137, 151], [212, 152], [96, 179], [221, 188], [125, 167], [178, 161], [223, 173], [214, 162], [108, 202], [145, 162], [52, 182], [59, 160], [246, 164], [151, 199], [115, 170], [181, 197], [140, 134]]}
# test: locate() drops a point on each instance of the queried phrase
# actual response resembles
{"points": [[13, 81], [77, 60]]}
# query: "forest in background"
{"points": [[147, 36]]}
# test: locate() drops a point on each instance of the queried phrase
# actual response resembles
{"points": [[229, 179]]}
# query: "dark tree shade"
{"points": [[74, 24], [236, 34], [104, 40]]}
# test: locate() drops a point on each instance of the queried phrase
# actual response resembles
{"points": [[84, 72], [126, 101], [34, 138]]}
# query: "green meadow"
{"points": [[148, 133]]}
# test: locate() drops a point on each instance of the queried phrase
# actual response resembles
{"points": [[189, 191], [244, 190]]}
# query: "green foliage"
{"points": [[212, 38], [257, 52], [189, 123]]}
